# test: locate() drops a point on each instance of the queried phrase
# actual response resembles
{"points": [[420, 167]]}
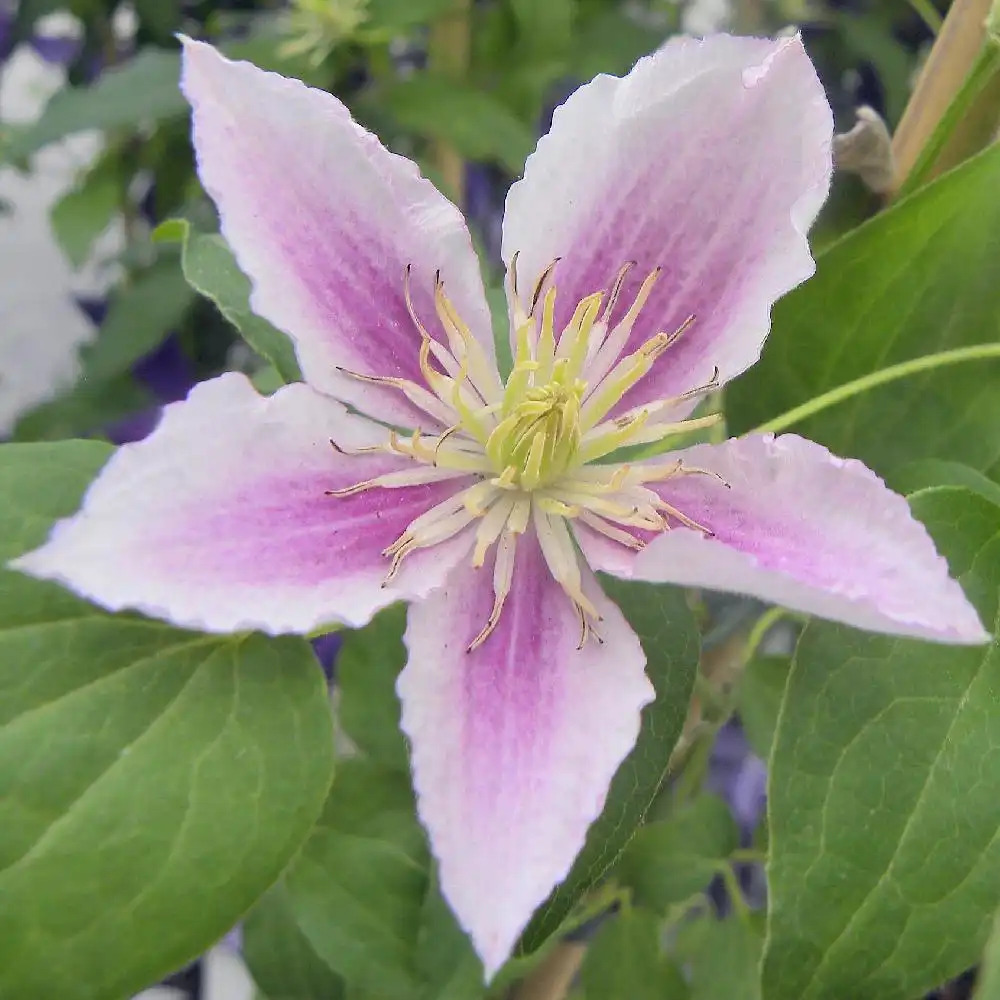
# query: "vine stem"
{"points": [[449, 48], [928, 14], [928, 362], [955, 49], [554, 976]]}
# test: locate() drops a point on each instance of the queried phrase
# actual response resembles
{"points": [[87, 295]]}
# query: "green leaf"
{"points": [[279, 956], [544, 28], [140, 317], [473, 121], [610, 42], [367, 666], [885, 824], [761, 689], [153, 782], [666, 628], [625, 962], [88, 408], [935, 472], [671, 860], [160, 18], [449, 967], [919, 278], [86, 211], [397, 15], [143, 90], [722, 958], [358, 887], [211, 269], [988, 978]]}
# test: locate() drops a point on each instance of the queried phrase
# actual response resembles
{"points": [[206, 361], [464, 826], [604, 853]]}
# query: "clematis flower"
{"points": [[654, 227]]}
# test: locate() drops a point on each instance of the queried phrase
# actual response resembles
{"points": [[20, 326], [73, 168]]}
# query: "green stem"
{"points": [[761, 627], [927, 13], [735, 893], [448, 52], [748, 855], [983, 69], [904, 369]]}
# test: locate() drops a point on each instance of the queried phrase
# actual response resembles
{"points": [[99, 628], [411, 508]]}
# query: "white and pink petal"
{"points": [[709, 160], [220, 520], [514, 744], [325, 221], [799, 527]]}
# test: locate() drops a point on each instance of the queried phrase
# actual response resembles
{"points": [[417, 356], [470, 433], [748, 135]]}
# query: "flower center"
{"points": [[537, 440], [534, 451]]}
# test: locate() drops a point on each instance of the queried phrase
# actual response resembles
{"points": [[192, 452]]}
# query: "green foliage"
{"points": [[211, 269], [398, 15], [141, 92], [478, 125], [445, 959], [988, 978], [358, 887], [884, 824], [928, 472], [761, 690], [722, 957], [160, 18], [626, 962], [279, 956], [86, 211], [367, 666], [917, 279], [139, 318], [153, 782], [671, 860]]}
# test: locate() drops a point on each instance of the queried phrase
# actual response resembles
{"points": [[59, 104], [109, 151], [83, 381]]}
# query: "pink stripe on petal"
{"points": [[220, 519], [710, 159], [325, 220], [514, 745], [801, 528]]}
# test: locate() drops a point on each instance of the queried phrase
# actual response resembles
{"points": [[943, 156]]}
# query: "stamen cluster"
{"points": [[537, 447]]}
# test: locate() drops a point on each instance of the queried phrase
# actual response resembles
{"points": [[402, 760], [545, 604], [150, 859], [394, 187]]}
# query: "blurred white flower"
{"points": [[702, 17], [41, 328]]}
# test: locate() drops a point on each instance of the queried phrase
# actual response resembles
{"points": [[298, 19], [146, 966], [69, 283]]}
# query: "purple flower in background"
{"points": [[56, 49], [669, 209], [326, 648], [739, 776], [167, 372]]}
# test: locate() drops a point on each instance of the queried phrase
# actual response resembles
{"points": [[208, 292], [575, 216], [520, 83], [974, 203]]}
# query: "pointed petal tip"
{"points": [[199, 61], [234, 532], [628, 157], [805, 529], [507, 773], [323, 219]]}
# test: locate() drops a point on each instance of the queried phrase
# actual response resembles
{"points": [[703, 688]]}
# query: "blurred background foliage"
{"points": [[462, 86]]}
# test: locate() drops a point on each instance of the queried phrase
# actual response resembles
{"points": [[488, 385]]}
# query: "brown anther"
{"points": [[684, 519], [543, 277], [373, 379], [512, 272], [408, 299], [616, 288], [663, 341], [441, 440], [348, 491], [691, 470]]}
